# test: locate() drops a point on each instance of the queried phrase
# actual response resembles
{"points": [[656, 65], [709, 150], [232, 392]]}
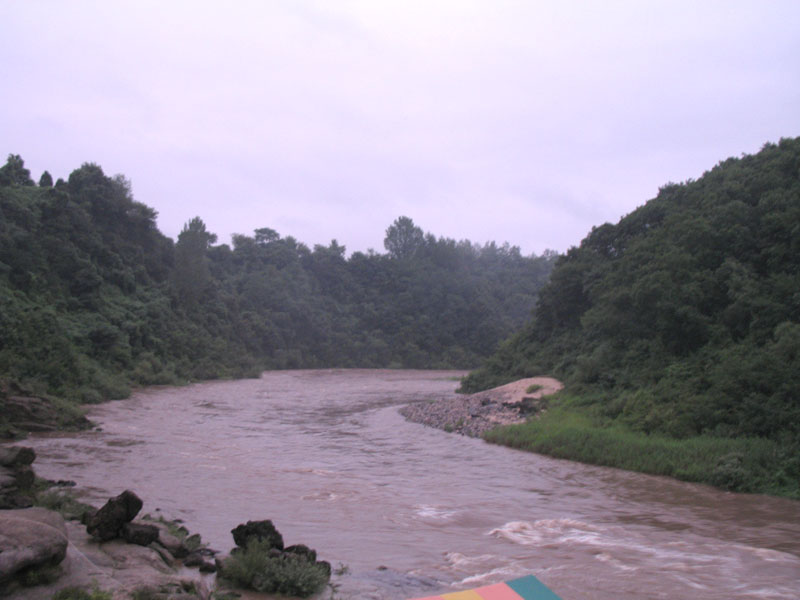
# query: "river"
{"points": [[412, 510]]}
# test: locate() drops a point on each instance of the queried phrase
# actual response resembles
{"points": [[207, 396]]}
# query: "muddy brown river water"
{"points": [[327, 457]]}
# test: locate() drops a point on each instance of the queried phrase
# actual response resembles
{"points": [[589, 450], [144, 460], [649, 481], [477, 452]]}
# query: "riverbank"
{"points": [[573, 432], [22, 413], [563, 427], [54, 546], [476, 414]]}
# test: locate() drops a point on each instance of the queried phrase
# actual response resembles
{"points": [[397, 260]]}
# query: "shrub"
{"points": [[78, 593], [730, 472], [260, 568], [39, 576], [64, 503]]}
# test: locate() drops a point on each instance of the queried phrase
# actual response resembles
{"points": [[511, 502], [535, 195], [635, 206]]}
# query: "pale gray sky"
{"points": [[519, 121]]}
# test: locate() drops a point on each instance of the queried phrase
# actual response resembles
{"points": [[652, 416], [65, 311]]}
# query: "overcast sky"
{"points": [[527, 122]]}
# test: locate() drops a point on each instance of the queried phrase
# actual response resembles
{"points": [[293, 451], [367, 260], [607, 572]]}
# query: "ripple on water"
{"points": [[327, 457]]}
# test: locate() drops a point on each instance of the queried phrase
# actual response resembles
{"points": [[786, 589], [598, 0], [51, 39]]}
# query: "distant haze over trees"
{"points": [[94, 299]]}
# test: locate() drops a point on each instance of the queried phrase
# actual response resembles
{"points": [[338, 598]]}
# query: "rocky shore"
{"points": [[54, 546], [22, 413], [475, 414]]}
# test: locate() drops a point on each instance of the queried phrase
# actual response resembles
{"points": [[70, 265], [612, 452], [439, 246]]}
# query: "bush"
{"points": [[260, 568], [39, 576], [730, 473], [78, 593]]}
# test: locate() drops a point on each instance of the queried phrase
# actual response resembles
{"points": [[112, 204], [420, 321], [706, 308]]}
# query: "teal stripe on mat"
{"points": [[531, 588]]}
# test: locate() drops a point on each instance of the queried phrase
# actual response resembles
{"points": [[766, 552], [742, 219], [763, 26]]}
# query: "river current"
{"points": [[412, 510]]}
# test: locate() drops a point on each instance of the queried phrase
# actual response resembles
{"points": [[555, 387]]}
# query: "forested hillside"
{"points": [[94, 299], [683, 319]]}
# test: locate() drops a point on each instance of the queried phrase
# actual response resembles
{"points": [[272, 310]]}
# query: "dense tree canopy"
{"points": [[684, 317], [14, 172], [94, 299]]}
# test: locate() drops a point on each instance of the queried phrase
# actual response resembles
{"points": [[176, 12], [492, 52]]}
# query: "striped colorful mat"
{"points": [[524, 588]]}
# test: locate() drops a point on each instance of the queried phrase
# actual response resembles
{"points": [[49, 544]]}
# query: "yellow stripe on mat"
{"points": [[465, 595]]}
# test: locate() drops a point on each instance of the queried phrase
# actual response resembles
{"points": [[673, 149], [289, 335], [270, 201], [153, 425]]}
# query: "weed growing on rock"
{"points": [[39, 576], [64, 503], [78, 593]]}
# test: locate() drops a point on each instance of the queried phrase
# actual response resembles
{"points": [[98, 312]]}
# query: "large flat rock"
{"points": [[30, 537], [114, 566]]}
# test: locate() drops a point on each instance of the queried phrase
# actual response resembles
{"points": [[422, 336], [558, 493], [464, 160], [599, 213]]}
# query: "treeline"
{"points": [[683, 319], [94, 299]]}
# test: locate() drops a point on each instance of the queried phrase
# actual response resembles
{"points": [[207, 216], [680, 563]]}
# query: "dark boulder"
{"points": [[106, 524], [208, 567], [24, 477], [260, 530], [302, 550], [16, 456], [16, 477], [7, 479], [15, 499], [139, 533], [197, 559]]}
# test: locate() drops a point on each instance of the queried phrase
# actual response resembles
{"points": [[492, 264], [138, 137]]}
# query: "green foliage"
{"points": [[683, 319], [273, 573], [184, 589], [574, 429], [403, 238], [63, 502], [42, 575], [14, 172], [46, 180], [191, 541], [79, 593], [224, 595], [94, 300], [146, 593]]}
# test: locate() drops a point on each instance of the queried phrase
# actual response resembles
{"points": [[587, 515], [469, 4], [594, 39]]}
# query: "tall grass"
{"points": [[739, 464]]}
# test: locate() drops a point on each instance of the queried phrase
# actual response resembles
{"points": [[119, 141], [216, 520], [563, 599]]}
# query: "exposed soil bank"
{"points": [[476, 414]]}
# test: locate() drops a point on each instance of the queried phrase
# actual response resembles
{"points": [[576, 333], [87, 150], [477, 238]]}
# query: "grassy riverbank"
{"points": [[576, 432]]}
